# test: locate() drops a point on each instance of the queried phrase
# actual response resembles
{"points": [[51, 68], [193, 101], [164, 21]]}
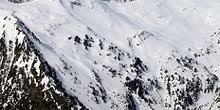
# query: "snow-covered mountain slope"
{"points": [[27, 81], [111, 54]]}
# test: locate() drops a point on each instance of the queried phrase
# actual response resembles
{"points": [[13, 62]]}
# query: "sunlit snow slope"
{"points": [[126, 54]]}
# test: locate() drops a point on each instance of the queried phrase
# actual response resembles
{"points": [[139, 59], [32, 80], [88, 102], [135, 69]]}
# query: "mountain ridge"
{"points": [[20, 76]]}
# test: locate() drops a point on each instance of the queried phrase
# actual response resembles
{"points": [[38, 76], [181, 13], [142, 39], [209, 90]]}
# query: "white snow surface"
{"points": [[183, 26]]}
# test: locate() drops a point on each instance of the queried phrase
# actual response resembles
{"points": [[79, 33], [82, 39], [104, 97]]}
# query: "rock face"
{"points": [[19, 1]]}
